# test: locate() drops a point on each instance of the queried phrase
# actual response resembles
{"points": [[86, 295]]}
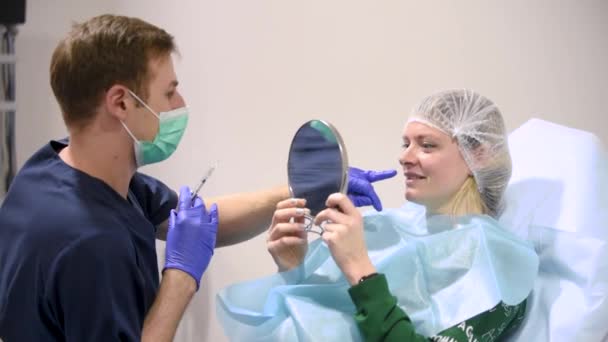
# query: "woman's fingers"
{"points": [[286, 242], [339, 210], [291, 209], [331, 215], [287, 214], [291, 203], [286, 229], [342, 203], [331, 231]]}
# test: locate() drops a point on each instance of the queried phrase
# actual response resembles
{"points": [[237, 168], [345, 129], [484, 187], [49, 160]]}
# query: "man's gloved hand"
{"points": [[191, 236], [360, 190]]}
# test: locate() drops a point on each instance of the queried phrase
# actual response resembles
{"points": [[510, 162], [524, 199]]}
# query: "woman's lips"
{"points": [[411, 177]]}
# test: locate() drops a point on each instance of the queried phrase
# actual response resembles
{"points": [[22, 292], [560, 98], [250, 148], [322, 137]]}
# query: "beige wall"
{"points": [[38, 115], [253, 71]]}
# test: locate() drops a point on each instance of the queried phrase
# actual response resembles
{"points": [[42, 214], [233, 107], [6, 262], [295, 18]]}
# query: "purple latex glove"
{"points": [[360, 189], [191, 236]]}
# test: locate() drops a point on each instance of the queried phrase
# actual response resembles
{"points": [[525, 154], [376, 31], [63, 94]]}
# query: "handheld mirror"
{"points": [[317, 167]]}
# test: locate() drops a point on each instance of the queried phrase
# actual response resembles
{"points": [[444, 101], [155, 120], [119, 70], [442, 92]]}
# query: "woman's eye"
{"points": [[405, 145], [170, 94], [428, 145]]}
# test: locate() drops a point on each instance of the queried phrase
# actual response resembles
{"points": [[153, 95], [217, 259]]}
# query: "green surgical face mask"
{"points": [[171, 127]]}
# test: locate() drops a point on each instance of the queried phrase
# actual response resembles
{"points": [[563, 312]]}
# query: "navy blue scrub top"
{"points": [[77, 260]]}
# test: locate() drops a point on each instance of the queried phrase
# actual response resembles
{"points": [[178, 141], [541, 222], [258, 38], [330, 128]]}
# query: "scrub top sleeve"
{"points": [[94, 292], [156, 198]]}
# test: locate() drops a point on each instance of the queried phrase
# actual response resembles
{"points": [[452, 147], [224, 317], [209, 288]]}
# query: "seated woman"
{"points": [[442, 270]]}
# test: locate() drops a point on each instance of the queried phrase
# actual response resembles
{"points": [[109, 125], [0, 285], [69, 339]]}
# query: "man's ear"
{"points": [[117, 101]]}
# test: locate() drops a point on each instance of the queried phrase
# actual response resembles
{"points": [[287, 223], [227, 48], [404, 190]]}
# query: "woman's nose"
{"points": [[407, 156]]}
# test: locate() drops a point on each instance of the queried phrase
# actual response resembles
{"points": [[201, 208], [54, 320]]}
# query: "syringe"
{"points": [[203, 181]]}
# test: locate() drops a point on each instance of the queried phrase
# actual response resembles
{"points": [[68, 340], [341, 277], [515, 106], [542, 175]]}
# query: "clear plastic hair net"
{"points": [[477, 125]]}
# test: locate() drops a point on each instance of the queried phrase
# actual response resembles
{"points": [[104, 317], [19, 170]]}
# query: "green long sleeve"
{"points": [[379, 318]]}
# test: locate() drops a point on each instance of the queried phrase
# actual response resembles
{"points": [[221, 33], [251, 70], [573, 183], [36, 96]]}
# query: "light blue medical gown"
{"points": [[442, 271]]}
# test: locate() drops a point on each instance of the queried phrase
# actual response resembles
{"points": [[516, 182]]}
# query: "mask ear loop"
{"points": [[135, 140], [144, 104], [129, 132]]}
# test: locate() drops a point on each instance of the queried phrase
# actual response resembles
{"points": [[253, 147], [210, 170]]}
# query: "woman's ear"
{"points": [[479, 156]]}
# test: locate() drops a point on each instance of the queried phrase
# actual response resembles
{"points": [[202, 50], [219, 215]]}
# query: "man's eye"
{"points": [[405, 145], [428, 145]]}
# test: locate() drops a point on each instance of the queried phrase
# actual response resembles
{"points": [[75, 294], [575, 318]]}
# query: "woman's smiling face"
{"points": [[433, 166]]}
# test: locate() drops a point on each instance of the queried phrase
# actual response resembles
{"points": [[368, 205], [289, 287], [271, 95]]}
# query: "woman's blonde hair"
{"points": [[468, 200]]}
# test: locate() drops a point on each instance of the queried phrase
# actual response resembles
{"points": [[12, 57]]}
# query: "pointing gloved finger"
{"points": [[374, 176]]}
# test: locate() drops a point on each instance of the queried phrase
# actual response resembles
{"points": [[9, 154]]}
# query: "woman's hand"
{"points": [[343, 233], [287, 240]]}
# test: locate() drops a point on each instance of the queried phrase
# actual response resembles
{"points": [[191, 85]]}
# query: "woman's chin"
{"points": [[411, 197], [410, 194]]}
